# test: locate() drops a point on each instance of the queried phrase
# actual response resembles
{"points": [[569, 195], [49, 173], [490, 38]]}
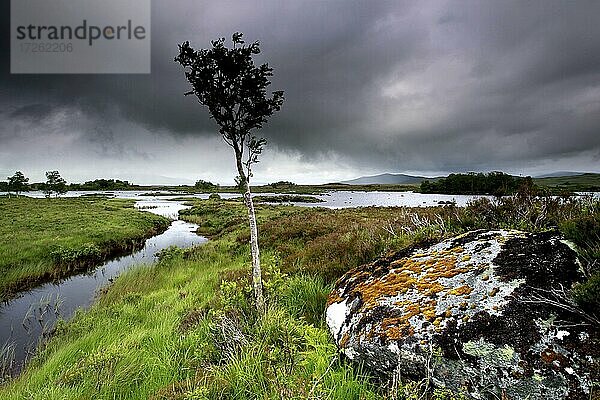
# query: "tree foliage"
{"points": [[282, 184], [205, 186], [101, 184], [18, 183], [54, 184], [234, 90], [494, 183]]}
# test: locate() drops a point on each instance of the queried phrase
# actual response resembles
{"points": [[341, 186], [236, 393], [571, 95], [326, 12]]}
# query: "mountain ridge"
{"points": [[388, 179], [405, 179]]}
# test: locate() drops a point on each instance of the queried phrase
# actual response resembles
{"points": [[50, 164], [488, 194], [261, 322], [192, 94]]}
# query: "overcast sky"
{"points": [[421, 87]]}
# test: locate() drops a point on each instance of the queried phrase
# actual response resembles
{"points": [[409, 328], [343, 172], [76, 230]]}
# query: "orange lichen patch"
{"points": [[457, 249], [344, 340], [334, 297], [446, 268], [461, 290], [411, 311], [466, 257], [411, 265], [402, 303], [396, 328], [549, 356], [429, 288], [494, 291], [428, 310], [400, 327], [441, 268], [389, 286]]}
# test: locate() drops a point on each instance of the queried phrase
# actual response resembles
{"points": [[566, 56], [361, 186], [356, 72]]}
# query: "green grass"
{"points": [[44, 239], [185, 327], [588, 182], [158, 333]]}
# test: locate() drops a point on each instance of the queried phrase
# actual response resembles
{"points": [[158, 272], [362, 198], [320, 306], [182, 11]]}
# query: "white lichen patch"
{"points": [[573, 247], [560, 335], [336, 315], [490, 355], [566, 362]]}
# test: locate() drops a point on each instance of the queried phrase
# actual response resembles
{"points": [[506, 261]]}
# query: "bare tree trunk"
{"points": [[256, 271]]}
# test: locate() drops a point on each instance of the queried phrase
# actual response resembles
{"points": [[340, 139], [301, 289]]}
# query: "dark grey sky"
{"points": [[422, 87]]}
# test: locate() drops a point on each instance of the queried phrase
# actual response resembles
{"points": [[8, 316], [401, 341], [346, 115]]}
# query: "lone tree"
{"points": [[235, 91], [18, 183], [54, 184]]}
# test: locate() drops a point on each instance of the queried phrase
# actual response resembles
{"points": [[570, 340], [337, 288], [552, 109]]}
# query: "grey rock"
{"points": [[487, 313]]}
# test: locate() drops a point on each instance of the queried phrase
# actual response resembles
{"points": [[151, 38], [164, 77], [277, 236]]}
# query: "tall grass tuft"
{"points": [[305, 297]]}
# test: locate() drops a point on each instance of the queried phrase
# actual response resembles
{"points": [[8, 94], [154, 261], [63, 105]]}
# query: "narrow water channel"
{"points": [[26, 320]]}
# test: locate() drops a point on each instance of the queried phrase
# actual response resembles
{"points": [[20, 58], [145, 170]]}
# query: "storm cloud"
{"points": [[421, 87]]}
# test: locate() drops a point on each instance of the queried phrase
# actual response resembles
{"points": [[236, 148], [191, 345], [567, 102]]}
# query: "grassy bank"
{"points": [[589, 182], [46, 239], [185, 328]]}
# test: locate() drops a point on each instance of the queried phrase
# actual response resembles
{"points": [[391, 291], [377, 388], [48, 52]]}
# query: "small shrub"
{"points": [[65, 255], [584, 231], [236, 298], [199, 393], [587, 294], [169, 254], [97, 367]]}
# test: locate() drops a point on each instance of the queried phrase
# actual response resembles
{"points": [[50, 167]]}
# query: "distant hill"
{"points": [[585, 182], [560, 180], [558, 174], [387, 179]]}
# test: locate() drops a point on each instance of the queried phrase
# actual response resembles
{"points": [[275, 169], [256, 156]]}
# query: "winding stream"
{"points": [[26, 320]]}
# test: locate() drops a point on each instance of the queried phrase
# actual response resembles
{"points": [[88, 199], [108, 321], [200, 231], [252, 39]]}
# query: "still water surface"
{"points": [[333, 199], [25, 320]]}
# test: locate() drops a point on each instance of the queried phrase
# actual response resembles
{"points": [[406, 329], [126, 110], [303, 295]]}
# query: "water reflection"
{"points": [[24, 321], [333, 199]]}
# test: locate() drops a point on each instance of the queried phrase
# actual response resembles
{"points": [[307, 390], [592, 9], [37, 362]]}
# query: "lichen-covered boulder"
{"points": [[487, 312]]}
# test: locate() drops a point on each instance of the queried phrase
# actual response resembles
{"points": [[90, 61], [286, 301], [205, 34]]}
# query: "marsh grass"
{"points": [[46, 239], [185, 327]]}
